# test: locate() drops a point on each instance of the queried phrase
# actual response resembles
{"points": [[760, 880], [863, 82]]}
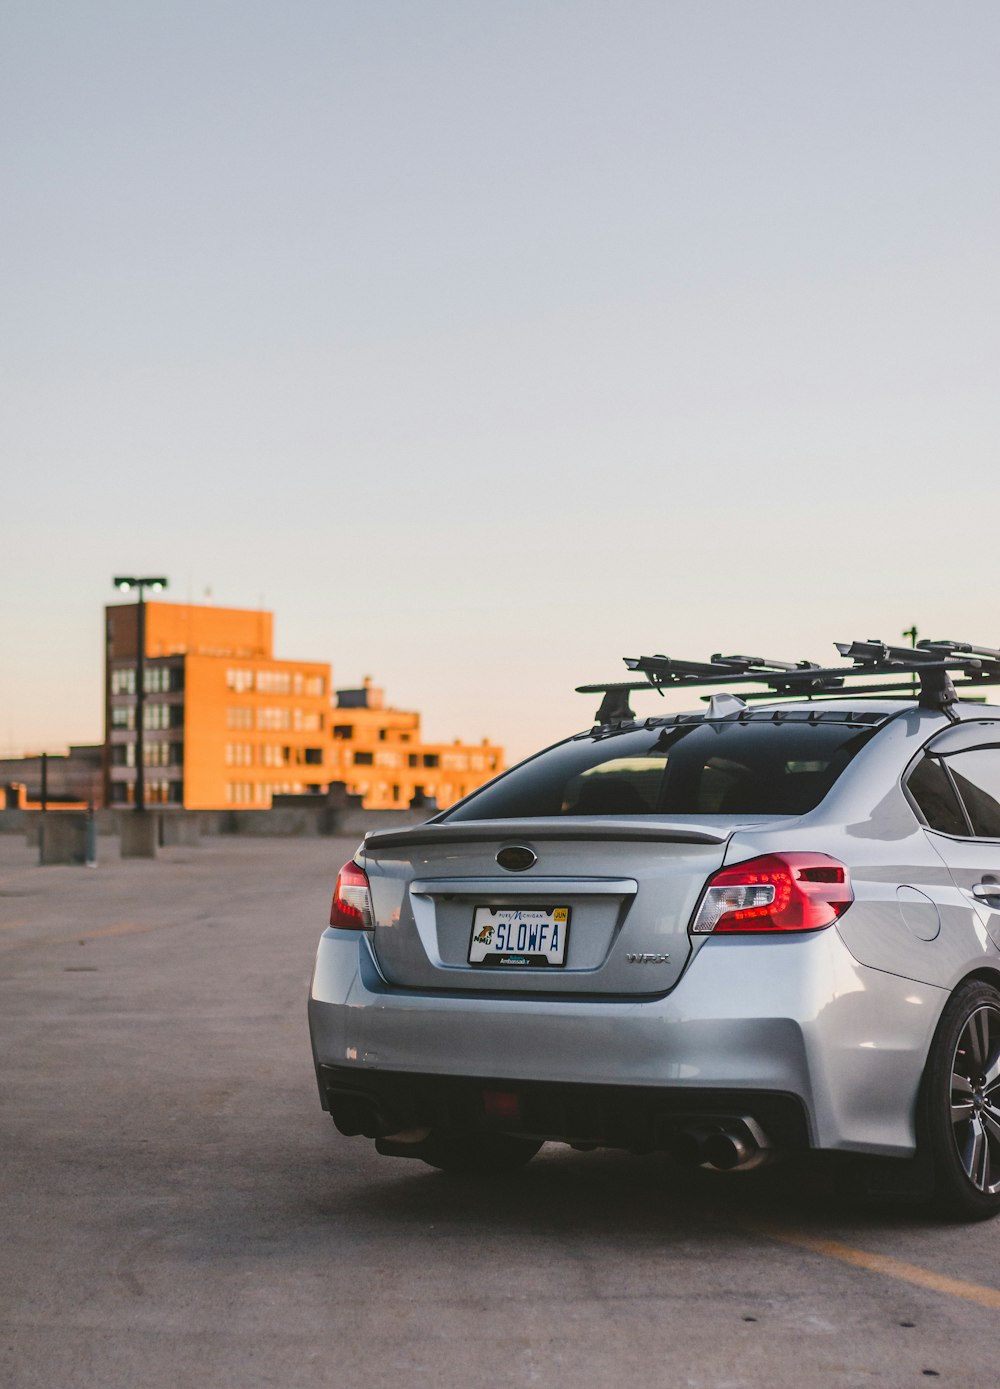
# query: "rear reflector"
{"points": [[352, 900], [776, 892], [502, 1105]]}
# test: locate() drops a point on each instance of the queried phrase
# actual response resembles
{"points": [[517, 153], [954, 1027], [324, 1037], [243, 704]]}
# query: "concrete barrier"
{"points": [[140, 833], [361, 821], [13, 820], [180, 827], [62, 837], [282, 821], [186, 828], [311, 820]]}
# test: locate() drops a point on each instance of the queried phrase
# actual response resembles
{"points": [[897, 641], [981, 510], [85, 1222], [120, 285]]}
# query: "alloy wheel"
{"points": [[975, 1099]]}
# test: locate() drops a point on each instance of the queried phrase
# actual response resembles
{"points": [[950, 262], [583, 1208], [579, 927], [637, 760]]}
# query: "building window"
{"points": [[343, 730], [155, 754], [158, 716], [274, 682], [123, 716], [287, 788], [306, 721], [239, 716], [314, 757], [431, 759], [239, 680], [413, 759], [123, 681], [363, 759], [274, 719], [160, 679], [315, 686]]}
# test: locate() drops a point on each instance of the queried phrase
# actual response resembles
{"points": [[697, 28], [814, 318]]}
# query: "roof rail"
{"points": [[931, 663]]}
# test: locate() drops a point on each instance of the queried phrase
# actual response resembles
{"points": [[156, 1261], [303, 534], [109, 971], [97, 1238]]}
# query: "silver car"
{"points": [[752, 930]]}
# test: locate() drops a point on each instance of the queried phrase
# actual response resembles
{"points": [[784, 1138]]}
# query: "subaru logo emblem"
{"points": [[516, 858]]}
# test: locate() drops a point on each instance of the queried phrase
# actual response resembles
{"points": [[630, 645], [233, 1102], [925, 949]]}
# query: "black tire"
{"points": [[474, 1154], [960, 1109]]}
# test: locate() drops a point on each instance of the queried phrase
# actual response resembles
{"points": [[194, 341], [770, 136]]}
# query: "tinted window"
{"points": [[977, 777], [753, 768], [932, 790]]}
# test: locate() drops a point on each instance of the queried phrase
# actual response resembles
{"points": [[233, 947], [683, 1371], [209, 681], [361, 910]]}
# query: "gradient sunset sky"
{"points": [[486, 343]]}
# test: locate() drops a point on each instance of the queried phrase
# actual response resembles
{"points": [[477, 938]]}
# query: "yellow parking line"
{"points": [[120, 928], [885, 1264]]}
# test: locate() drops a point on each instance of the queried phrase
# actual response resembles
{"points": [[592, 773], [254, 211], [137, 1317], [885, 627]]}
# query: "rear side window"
{"points": [[931, 788], [977, 778], [756, 767]]}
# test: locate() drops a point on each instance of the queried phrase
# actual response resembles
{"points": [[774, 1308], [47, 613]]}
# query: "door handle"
{"points": [[986, 892]]}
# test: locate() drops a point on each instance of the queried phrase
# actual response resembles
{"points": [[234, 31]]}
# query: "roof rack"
{"points": [[931, 663]]}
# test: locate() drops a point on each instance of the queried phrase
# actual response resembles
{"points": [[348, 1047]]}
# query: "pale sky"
{"points": [[486, 343]]}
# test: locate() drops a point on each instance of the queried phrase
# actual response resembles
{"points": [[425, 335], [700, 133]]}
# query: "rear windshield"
{"points": [[750, 768]]}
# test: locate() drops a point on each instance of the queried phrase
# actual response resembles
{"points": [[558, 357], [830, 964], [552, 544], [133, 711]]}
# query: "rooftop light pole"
{"points": [[127, 582]]}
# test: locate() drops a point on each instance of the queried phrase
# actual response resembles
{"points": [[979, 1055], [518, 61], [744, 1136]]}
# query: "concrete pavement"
{"points": [[177, 1210]]}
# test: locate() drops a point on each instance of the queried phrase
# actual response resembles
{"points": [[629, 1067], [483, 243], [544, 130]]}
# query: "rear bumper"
{"points": [[794, 1031], [639, 1118]]}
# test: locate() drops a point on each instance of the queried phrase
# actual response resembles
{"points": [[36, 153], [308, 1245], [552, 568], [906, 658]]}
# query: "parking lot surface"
{"points": [[177, 1210]]}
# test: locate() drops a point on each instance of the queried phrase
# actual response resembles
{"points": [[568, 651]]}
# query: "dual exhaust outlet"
{"points": [[726, 1143]]}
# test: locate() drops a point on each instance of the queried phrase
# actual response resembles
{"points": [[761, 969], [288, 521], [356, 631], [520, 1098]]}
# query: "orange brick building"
{"points": [[380, 755], [225, 724]]}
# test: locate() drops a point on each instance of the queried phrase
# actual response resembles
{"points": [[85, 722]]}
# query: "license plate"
{"points": [[519, 936]]}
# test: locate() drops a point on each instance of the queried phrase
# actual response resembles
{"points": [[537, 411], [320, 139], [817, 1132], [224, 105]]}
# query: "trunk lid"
{"points": [[628, 886]]}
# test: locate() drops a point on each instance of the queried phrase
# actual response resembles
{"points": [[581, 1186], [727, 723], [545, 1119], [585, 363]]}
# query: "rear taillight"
{"points": [[352, 899], [776, 892]]}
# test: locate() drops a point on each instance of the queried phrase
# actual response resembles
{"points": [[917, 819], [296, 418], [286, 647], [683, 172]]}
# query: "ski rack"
{"points": [[929, 663]]}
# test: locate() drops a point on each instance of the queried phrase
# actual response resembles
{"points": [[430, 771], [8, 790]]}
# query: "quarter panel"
{"points": [[868, 824]]}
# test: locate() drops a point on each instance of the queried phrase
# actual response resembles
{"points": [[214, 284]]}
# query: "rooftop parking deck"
{"points": [[179, 1211]]}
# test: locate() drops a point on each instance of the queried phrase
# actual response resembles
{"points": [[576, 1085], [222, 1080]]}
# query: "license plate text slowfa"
{"points": [[513, 936]]}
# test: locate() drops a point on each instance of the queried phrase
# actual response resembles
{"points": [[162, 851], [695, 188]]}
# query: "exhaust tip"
{"points": [[728, 1150], [725, 1143]]}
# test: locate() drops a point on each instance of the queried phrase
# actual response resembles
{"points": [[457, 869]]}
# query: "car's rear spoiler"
{"points": [[551, 827]]}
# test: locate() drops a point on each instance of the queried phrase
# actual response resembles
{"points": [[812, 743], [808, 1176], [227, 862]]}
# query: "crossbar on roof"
{"points": [[931, 662]]}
